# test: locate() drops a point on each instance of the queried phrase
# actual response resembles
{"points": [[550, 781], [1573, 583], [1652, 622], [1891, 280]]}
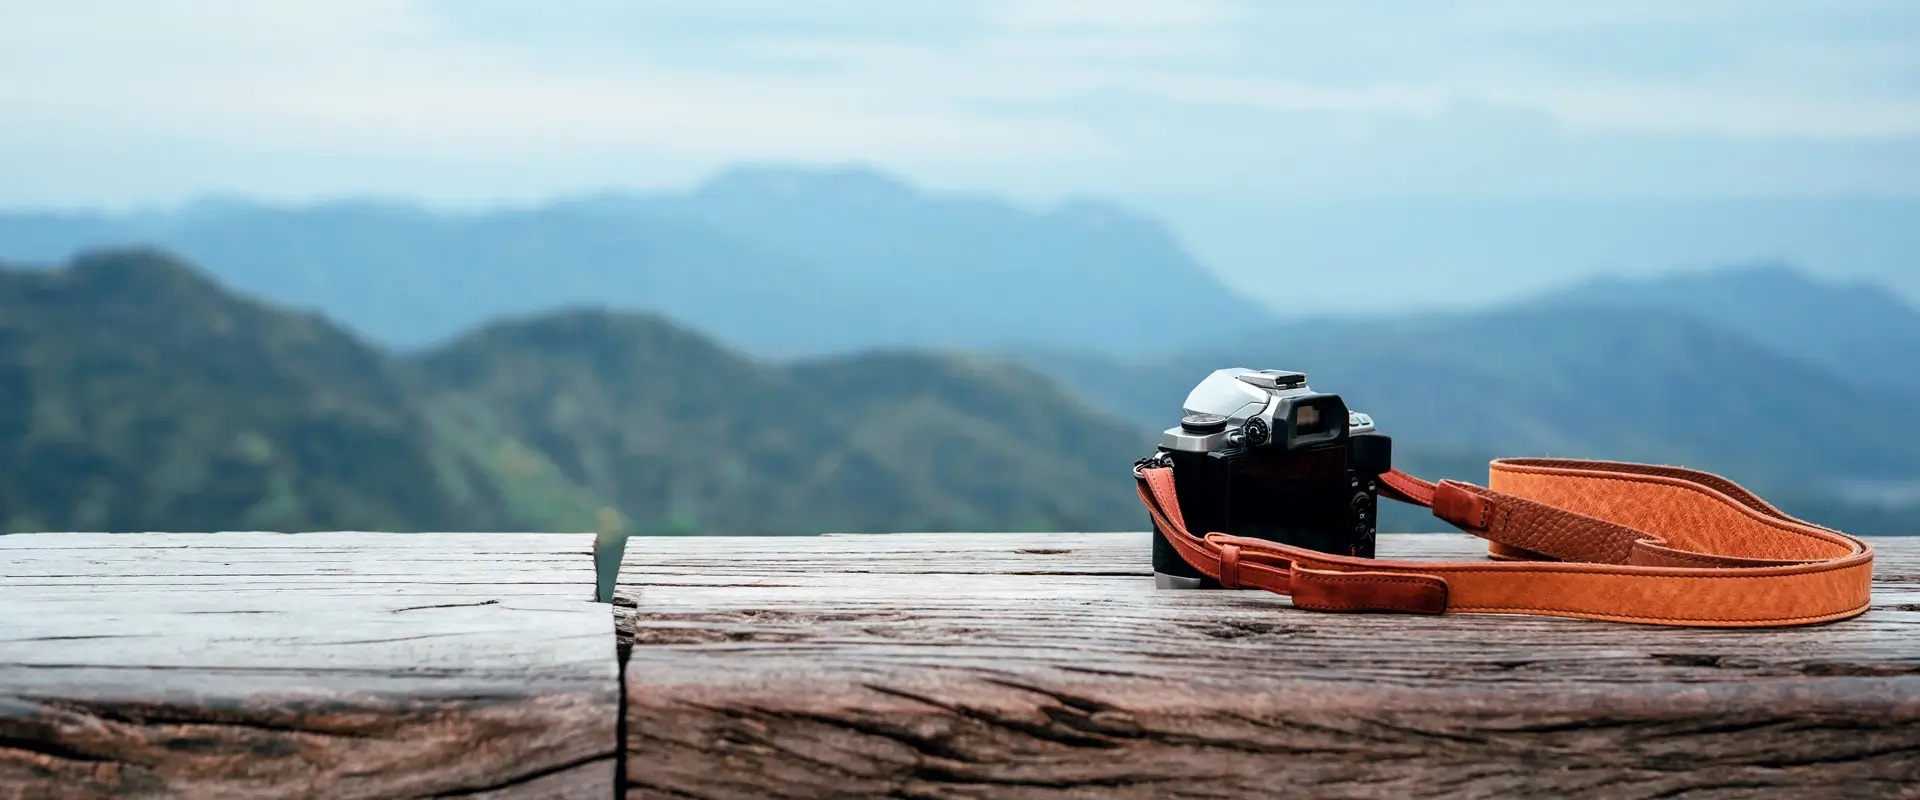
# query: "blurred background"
{"points": [[762, 267]]}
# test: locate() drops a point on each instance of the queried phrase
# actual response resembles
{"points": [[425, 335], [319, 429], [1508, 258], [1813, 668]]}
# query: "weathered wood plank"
{"points": [[997, 666], [528, 564], [304, 665]]}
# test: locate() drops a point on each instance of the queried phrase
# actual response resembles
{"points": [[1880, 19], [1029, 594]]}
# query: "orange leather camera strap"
{"points": [[1590, 539]]}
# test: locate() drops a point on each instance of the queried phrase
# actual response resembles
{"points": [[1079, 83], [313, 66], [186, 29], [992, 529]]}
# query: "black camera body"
{"points": [[1260, 454]]}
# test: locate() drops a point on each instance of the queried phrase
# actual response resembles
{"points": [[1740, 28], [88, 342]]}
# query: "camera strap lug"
{"points": [[1159, 460]]}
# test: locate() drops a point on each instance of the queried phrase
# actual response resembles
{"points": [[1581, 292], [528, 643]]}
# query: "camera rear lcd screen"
{"points": [[1301, 498]]}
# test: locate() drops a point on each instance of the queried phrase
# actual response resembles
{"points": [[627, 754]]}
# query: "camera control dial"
{"points": [[1197, 422], [1362, 515], [1256, 432]]}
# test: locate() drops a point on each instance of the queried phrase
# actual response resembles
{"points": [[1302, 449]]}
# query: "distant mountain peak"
{"points": [[1094, 213], [1764, 281], [583, 323], [144, 271], [1857, 328], [847, 181], [1786, 277]]}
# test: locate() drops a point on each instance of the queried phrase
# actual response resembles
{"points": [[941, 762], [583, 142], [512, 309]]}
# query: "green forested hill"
{"points": [[135, 394], [681, 435]]}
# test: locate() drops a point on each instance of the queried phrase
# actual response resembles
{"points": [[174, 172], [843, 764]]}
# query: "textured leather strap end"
{"points": [[1455, 504], [1368, 591]]}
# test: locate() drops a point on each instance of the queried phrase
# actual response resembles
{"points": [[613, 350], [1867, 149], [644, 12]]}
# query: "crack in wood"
{"points": [[621, 779], [637, 786], [1241, 629], [929, 746], [521, 780], [1719, 788], [1827, 758], [1141, 573], [1112, 673], [448, 605], [1047, 733], [669, 635], [338, 719], [1836, 670], [46, 746], [936, 773]]}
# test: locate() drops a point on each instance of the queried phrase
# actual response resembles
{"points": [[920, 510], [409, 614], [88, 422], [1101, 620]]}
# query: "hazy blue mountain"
{"points": [[51, 237], [1858, 330], [1604, 379], [1085, 274], [137, 394], [412, 278], [780, 262], [1376, 255]]}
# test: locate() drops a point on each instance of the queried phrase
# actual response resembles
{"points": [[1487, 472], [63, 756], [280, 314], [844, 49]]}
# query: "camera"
{"points": [[1260, 454]]}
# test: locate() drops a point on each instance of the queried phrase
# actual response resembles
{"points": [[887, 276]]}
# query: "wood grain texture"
{"points": [[322, 665], [1048, 666]]}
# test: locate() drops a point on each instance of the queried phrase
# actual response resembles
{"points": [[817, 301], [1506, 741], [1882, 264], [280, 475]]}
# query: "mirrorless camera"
{"points": [[1260, 454]]}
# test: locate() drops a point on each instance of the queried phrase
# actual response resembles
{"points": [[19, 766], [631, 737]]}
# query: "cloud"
{"points": [[385, 78], [1021, 88], [1080, 16]]}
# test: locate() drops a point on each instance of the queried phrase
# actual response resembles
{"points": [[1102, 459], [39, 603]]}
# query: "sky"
{"points": [[1213, 114]]}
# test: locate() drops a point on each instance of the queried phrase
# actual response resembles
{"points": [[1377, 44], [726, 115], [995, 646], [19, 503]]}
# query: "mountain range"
{"points": [[788, 350], [776, 262], [1858, 330], [141, 395], [1757, 373]]}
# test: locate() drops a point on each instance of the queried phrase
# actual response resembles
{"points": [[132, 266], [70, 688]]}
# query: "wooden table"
{"points": [[982, 665], [321, 665], [1048, 666]]}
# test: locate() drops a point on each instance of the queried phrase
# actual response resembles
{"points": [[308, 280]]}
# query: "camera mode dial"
{"points": [[1203, 423], [1256, 432]]}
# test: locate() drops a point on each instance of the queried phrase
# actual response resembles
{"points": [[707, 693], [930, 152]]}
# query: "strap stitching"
{"points": [[1486, 609], [1349, 577], [1825, 566], [1698, 558], [1325, 607]]}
